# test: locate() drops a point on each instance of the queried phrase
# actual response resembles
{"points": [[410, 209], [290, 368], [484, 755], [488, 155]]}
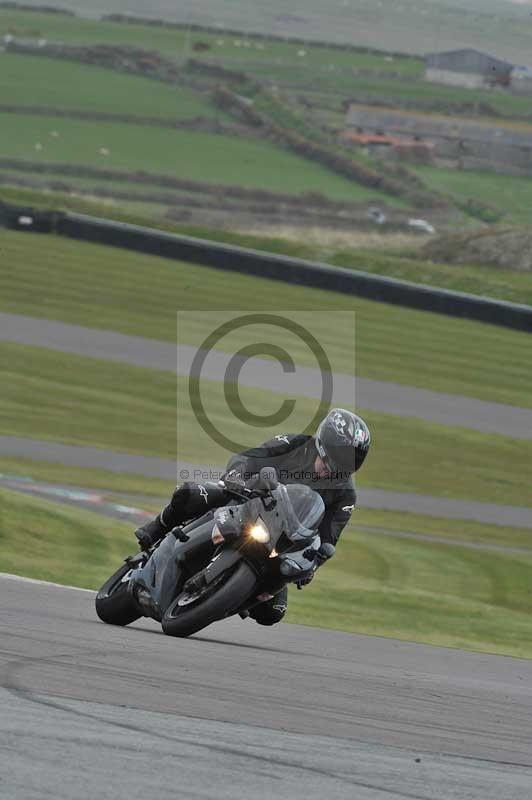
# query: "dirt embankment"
{"points": [[507, 248]]}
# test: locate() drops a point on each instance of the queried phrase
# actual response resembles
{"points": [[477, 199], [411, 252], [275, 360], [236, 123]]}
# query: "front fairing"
{"points": [[162, 573], [293, 512]]}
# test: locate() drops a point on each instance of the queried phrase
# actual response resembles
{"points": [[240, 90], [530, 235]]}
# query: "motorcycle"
{"points": [[223, 563]]}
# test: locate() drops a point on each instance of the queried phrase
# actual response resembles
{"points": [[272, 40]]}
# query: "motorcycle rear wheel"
{"points": [[114, 604], [221, 601]]}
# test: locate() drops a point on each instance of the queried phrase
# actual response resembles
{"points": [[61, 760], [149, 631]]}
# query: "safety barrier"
{"points": [[274, 267]]}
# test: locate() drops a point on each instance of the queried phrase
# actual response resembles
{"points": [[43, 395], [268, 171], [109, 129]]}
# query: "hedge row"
{"points": [[133, 60], [314, 200], [207, 124], [321, 154], [255, 35]]}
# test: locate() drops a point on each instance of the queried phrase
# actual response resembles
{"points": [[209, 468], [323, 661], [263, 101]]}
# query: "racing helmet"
{"points": [[343, 440]]}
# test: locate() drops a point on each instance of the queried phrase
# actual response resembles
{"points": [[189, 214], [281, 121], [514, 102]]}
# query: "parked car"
{"points": [[422, 225]]}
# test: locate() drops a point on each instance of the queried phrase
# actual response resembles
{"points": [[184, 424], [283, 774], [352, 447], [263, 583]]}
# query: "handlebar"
{"points": [[265, 482]]}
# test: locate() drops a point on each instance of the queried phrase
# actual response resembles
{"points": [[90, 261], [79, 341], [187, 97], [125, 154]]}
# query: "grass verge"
{"points": [[57, 543], [119, 483], [423, 591], [420, 591], [109, 288], [394, 255], [56, 397]]}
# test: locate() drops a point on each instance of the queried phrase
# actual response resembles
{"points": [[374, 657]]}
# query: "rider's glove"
{"points": [[234, 482], [319, 557], [305, 581]]}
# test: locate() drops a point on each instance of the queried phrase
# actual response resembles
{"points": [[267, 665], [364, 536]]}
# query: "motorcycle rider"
{"points": [[325, 462]]}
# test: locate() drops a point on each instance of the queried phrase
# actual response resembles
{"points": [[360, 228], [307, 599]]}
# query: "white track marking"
{"points": [[10, 577]]}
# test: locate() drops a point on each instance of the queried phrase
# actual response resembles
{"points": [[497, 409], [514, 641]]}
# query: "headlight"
{"points": [[259, 531]]}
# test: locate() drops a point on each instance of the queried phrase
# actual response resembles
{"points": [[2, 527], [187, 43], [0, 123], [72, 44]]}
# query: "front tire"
{"points": [[224, 601], [114, 604]]}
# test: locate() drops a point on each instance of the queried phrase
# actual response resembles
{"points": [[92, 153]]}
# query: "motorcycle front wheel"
{"points": [[114, 604], [190, 613]]}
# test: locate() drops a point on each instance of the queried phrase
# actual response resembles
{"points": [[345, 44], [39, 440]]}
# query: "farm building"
{"points": [[463, 143], [469, 68], [522, 80]]}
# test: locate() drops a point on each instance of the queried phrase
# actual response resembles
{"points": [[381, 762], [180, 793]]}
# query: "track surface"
{"points": [[172, 471], [246, 711], [391, 398]]}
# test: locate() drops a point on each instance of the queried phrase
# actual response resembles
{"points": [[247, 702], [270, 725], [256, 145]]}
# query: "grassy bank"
{"points": [[422, 591], [113, 289], [88, 402]]}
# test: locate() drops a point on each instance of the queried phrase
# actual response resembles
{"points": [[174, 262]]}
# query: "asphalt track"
{"points": [[244, 711], [177, 471], [390, 398]]}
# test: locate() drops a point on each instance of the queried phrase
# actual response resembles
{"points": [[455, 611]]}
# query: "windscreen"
{"points": [[297, 512]]}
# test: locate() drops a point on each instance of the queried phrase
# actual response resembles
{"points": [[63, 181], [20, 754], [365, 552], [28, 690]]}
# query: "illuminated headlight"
{"points": [[260, 532], [217, 535]]}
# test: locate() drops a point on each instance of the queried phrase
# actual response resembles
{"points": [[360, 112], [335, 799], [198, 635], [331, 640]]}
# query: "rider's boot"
{"points": [[151, 532], [188, 501], [272, 611]]}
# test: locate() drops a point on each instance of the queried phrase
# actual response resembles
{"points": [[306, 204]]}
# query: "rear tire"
{"points": [[223, 602], [114, 604]]}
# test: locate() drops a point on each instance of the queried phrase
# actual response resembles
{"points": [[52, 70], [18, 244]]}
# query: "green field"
{"points": [[241, 52], [432, 95], [319, 68], [108, 288], [415, 26], [244, 160], [35, 81], [430, 592], [62, 398], [198, 156], [512, 195]]}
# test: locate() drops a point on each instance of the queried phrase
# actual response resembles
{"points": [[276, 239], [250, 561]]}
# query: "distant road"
{"points": [[389, 398], [172, 471]]}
